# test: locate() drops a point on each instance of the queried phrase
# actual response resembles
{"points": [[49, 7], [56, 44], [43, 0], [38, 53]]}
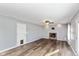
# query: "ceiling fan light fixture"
{"points": [[47, 21]]}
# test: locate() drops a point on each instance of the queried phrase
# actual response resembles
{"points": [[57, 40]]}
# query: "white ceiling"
{"points": [[36, 13]]}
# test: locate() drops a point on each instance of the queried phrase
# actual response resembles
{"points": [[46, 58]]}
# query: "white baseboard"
{"points": [[75, 53], [13, 47], [62, 40], [10, 48]]}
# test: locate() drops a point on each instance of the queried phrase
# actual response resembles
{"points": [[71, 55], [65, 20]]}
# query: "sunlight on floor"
{"points": [[56, 51]]}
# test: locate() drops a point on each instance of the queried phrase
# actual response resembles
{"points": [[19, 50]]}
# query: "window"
{"points": [[69, 32]]}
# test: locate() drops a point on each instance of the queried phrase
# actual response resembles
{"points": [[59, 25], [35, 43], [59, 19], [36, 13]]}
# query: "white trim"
{"points": [[61, 40], [11, 48], [75, 53], [8, 49]]}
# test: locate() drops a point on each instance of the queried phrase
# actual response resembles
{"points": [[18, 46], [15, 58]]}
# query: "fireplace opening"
{"points": [[52, 35]]}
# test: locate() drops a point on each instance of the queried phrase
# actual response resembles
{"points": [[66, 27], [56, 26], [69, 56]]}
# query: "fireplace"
{"points": [[52, 35]]}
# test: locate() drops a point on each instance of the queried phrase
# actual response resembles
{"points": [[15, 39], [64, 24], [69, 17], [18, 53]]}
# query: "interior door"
{"points": [[21, 33]]}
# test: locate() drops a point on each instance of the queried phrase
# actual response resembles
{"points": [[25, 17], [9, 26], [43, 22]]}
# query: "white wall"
{"points": [[61, 32], [34, 32], [8, 32]]}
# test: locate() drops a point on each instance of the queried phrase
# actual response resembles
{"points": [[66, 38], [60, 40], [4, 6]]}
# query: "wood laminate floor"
{"points": [[42, 47]]}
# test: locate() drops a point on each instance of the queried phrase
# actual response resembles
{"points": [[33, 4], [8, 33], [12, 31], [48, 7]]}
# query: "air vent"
{"points": [[21, 41]]}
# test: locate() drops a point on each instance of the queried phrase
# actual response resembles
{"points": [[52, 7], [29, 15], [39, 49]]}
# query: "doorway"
{"points": [[21, 33]]}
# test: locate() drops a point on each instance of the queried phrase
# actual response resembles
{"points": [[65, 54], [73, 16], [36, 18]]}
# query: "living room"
{"points": [[39, 27]]}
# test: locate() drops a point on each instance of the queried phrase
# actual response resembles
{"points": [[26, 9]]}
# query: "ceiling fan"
{"points": [[47, 23]]}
